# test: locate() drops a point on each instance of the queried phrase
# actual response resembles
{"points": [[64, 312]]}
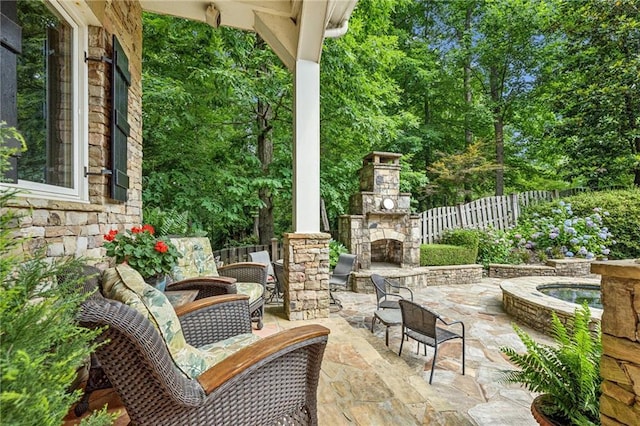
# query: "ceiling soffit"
{"points": [[295, 29]]}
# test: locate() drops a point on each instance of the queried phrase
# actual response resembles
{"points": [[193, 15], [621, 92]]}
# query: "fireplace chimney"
{"points": [[380, 228]]}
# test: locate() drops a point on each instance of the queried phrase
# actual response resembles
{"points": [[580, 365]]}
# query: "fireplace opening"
{"points": [[386, 251]]}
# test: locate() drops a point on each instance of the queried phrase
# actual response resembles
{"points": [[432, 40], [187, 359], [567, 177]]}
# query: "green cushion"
{"points": [[253, 290], [197, 259], [126, 285]]}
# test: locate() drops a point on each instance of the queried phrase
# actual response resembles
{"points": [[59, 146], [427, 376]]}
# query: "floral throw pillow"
{"points": [[197, 258], [126, 285]]}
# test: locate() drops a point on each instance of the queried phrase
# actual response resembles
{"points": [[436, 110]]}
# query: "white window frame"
{"points": [[79, 17]]}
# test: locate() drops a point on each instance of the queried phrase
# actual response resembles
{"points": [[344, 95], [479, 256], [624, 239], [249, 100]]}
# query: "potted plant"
{"points": [[140, 248], [567, 375]]}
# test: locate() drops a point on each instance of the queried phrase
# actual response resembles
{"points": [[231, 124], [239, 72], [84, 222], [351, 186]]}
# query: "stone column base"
{"points": [[306, 270], [620, 362]]}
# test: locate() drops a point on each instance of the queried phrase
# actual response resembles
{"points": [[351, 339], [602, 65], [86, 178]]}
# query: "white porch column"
{"points": [[306, 147]]}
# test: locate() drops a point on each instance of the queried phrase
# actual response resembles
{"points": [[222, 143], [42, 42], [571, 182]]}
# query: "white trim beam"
{"points": [[313, 20], [281, 34], [306, 147]]}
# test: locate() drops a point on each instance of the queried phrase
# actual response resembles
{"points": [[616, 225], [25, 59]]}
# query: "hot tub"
{"points": [[523, 300]]}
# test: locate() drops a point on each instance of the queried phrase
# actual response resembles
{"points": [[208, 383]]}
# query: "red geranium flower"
{"points": [[142, 250], [111, 235], [148, 228], [161, 247]]}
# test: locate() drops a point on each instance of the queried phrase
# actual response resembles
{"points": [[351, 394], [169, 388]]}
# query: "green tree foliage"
{"points": [[453, 173], [594, 79], [200, 132], [422, 78], [359, 100]]}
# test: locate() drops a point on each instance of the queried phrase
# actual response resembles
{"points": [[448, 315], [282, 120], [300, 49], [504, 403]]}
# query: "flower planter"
{"points": [[540, 417], [158, 281]]}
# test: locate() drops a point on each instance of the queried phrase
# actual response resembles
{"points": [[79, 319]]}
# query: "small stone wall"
{"points": [[523, 301], [620, 363], [419, 277], [306, 270], [552, 267]]}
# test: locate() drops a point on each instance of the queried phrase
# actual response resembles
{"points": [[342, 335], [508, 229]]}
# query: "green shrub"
{"points": [[41, 345], [172, 222], [562, 233], [461, 237], [444, 254], [335, 249], [496, 246], [622, 221]]}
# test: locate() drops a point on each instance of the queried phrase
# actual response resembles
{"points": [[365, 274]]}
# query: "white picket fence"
{"points": [[498, 212]]}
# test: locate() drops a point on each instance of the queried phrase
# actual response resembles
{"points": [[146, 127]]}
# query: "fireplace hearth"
{"points": [[380, 228]]}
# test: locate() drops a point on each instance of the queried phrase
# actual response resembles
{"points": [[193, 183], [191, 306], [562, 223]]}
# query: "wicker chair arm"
{"points": [[219, 280], [213, 319], [247, 272], [220, 285], [209, 301], [257, 353]]}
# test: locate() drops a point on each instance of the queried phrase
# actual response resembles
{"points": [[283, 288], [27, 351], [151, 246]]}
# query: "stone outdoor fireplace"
{"points": [[380, 228]]}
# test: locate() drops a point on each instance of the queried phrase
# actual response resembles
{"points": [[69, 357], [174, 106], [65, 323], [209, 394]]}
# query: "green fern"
{"points": [[568, 372]]}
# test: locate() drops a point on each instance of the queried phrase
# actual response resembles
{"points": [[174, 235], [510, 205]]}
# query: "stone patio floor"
{"points": [[365, 383]]}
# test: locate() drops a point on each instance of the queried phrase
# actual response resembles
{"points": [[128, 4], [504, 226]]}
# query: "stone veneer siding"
{"points": [[306, 270], [421, 277], [552, 267], [69, 228], [620, 364]]}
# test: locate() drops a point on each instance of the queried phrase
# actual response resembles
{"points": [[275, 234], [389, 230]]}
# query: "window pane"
{"points": [[45, 95]]}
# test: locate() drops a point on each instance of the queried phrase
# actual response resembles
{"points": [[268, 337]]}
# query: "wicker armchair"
{"points": [[270, 381], [197, 270]]}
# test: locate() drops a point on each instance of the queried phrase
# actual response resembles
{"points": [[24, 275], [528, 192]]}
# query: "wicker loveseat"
{"points": [[272, 380]]}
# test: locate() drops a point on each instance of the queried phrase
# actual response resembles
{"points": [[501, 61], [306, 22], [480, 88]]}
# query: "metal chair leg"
{"points": [[433, 363]]}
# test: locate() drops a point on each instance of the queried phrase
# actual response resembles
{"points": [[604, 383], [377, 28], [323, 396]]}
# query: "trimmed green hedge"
{"points": [[445, 254], [457, 247]]}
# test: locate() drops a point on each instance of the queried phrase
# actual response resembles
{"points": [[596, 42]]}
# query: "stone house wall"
{"points": [[69, 228]]}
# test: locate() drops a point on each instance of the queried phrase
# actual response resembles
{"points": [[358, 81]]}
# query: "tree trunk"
{"points": [[498, 127], [635, 143], [265, 154]]}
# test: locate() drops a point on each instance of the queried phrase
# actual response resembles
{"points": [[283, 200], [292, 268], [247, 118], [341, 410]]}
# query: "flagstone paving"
{"points": [[363, 382]]}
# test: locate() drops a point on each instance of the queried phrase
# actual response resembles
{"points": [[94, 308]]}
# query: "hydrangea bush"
{"points": [[562, 234]]}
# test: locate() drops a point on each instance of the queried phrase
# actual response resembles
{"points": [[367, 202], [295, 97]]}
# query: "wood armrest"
{"points": [[208, 301], [240, 361]]}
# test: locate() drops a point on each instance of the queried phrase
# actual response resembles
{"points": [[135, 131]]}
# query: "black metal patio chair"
{"points": [[420, 324]]}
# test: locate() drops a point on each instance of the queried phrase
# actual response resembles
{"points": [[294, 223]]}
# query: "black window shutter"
{"points": [[120, 83], [10, 48]]}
